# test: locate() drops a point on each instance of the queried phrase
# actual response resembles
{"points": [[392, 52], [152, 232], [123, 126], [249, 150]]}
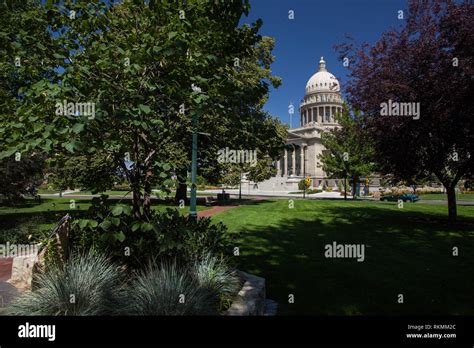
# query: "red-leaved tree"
{"points": [[429, 61]]}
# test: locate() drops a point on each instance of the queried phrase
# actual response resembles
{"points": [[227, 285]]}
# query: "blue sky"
{"points": [[317, 26]]}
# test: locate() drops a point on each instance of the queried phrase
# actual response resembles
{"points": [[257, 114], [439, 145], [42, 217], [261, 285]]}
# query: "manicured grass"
{"points": [[46, 205], [64, 205], [444, 197], [34, 218], [122, 193], [110, 193], [46, 191], [408, 251]]}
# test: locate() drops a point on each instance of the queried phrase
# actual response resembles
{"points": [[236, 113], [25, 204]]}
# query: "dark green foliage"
{"points": [[166, 235], [349, 152], [302, 184], [18, 178], [21, 229], [95, 172]]}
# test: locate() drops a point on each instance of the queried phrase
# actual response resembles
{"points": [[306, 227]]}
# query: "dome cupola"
{"points": [[322, 81]]}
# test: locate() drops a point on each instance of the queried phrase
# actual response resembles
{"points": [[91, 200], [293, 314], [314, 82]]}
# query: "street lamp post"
{"points": [[192, 205], [192, 208]]}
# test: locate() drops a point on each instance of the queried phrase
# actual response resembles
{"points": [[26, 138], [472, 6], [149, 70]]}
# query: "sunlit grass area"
{"points": [[408, 251], [36, 218], [110, 193], [444, 197]]}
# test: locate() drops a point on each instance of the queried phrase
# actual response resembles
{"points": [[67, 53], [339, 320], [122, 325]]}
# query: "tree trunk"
{"points": [[147, 194], [136, 202], [345, 188], [452, 209], [354, 187], [181, 191]]}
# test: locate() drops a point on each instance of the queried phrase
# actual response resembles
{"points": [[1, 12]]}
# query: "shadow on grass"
{"points": [[408, 253]]}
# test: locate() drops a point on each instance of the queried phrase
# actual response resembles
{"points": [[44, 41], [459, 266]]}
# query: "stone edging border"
{"points": [[251, 300]]}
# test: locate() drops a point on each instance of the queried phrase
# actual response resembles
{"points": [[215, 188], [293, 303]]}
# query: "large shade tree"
{"points": [[137, 62], [25, 59], [429, 60]]}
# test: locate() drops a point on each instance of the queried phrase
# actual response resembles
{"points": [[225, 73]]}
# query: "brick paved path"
{"points": [[215, 210], [5, 268]]}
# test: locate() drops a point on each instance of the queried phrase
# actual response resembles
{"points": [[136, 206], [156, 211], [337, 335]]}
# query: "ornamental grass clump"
{"points": [[167, 290], [87, 285], [214, 274]]}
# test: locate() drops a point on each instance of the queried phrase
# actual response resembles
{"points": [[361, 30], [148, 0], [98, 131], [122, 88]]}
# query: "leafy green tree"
{"points": [[24, 60], [348, 153], [231, 175], [95, 173], [134, 64], [235, 117]]}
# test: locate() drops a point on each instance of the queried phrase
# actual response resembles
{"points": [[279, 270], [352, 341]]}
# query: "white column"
{"points": [[293, 164], [301, 160], [278, 164], [286, 163]]}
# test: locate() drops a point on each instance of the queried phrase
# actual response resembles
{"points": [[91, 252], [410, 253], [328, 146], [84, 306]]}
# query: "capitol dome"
{"points": [[322, 81], [322, 99]]}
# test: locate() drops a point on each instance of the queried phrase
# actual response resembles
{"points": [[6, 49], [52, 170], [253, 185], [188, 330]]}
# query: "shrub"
{"points": [[302, 184], [167, 235], [312, 191], [21, 229], [87, 285], [122, 187], [201, 182], [167, 290]]}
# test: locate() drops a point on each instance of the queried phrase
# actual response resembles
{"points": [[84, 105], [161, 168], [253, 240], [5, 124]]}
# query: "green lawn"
{"points": [[408, 251], [110, 193], [31, 217], [444, 197], [46, 191], [122, 193]]}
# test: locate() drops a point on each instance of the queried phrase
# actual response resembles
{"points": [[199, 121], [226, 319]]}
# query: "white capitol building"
{"points": [[322, 101]]}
